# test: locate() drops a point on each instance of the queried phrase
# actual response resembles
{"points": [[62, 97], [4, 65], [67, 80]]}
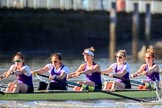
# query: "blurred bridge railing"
{"points": [[88, 5]]}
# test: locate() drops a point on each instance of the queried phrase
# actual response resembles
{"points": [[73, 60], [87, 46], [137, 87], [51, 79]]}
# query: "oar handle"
{"points": [[1, 77]]}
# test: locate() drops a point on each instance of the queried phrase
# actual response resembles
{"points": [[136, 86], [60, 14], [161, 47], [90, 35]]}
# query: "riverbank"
{"points": [[40, 32], [54, 30]]}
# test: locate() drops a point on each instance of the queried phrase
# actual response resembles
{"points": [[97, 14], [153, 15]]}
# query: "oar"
{"points": [[150, 86], [68, 82], [97, 90], [1, 92], [3, 86], [1, 77]]}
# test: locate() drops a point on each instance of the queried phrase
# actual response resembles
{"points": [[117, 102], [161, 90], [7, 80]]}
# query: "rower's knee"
{"points": [[15, 86], [10, 87], [107, 85], [76, 88], [11, 84]]}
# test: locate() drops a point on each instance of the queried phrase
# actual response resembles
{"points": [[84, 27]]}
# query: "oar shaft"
{"points": [[72, 83], [3, 86], [43, 75], [122, 96]]}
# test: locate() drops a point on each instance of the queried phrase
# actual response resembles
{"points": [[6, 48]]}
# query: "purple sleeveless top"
{"points": [[57, 74], [126, 76], [94, 77], [25, 79], [152, 77]]}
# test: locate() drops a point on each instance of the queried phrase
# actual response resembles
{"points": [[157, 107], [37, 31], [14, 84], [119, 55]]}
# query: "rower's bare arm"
{"points": [[71, 75], [19, 72], [160, 71], [6, 74], [121, 74], [62, 76], [139, 72], [96, 68], [107, 71], [40, 71], [77, 72]]}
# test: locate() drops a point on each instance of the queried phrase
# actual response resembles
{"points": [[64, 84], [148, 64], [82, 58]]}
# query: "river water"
{"points": [[73, 65]]}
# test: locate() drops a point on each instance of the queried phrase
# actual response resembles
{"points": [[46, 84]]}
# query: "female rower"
{"points": [[91, 70], [121, 70], [56, 69], [150, 69], [23, 82]]}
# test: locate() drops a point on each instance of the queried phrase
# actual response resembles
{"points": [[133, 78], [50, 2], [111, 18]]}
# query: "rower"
{"points": [[55, 69], [92, 71], [121, 70], [150, 69], [23, 82]]}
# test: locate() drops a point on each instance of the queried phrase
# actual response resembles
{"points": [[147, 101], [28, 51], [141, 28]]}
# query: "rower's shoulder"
{"points": [[143, 65]]}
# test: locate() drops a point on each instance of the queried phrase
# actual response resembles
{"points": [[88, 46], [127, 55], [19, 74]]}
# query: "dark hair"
{"points": [[56, 54], [19, 54]]}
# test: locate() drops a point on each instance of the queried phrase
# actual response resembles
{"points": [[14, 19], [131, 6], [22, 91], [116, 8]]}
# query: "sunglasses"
{"points": [[54, 61], [18, 60], [119, 57], [147, 57]]}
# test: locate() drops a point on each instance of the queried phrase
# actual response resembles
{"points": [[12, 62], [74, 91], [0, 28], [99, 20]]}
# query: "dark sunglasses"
{"points": [[54, 61], [18, 60], [147, 57], [119, 57]]}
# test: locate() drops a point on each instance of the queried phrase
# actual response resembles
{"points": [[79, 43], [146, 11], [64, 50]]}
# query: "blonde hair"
{"points": [[91, 49], [123, 52], [151, 52]]}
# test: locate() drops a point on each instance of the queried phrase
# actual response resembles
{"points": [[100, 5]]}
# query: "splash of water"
{"points": [[157, 91]]}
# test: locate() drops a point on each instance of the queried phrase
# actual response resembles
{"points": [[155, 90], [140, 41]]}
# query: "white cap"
{"points": [[89, 52]]}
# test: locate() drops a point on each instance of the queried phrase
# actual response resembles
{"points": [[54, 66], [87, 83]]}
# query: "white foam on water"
{"points": [[81, 104]]}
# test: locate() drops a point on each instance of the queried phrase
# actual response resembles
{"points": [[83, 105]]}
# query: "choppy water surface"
{"points": [[79, 104], [73, 65]]}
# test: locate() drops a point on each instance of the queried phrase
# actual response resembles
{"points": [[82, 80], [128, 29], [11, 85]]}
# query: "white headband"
{"points": [[88, 52]]}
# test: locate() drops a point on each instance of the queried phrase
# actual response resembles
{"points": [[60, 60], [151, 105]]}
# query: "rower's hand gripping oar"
{"points": [[150, 86], [97, 90], [1, 77]]}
